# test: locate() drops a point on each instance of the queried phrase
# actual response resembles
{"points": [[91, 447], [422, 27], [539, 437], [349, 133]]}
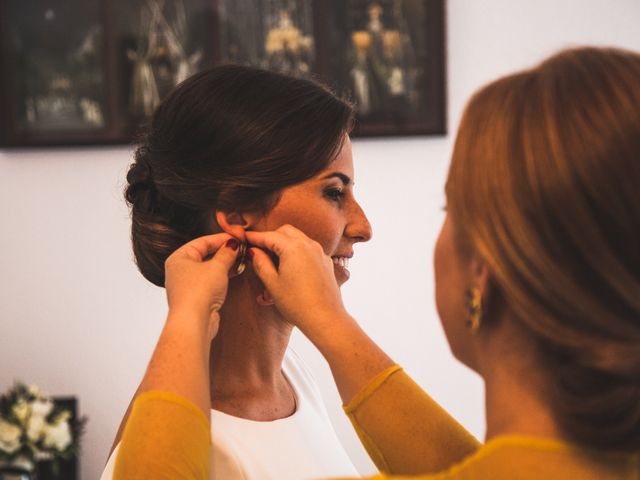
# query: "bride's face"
{"points": [[325, 209]]}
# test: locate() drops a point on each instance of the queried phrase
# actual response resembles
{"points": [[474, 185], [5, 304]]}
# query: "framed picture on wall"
{"points": [[154, 45], [53, 71], [389, 60], [284, 37], [92, 71]]}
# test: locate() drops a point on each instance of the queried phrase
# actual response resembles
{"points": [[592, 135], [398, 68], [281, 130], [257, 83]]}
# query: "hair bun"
{"points": [[141, 190]]}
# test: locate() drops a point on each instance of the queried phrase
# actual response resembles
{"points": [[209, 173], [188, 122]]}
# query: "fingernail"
{"points": [[233, 244]]}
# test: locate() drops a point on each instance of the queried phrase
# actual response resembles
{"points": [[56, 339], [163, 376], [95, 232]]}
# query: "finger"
{"points": [[227, 254], [292, 231], [263, 266], [273, 241], [202, 247]]}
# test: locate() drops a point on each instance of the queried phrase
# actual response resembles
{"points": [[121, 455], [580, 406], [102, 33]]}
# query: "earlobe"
{"points": [[264, 299]]}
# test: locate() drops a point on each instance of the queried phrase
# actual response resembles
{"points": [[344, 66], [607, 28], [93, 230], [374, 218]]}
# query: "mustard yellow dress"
{"points": [[407, 434]]}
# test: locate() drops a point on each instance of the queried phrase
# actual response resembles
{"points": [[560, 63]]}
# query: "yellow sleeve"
{"points": [[404, 430], [166, 437]]}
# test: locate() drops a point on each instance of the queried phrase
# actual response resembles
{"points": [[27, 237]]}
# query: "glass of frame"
{"points": [[389, 61], [92, 71], [53, 64], [156, 45], [283, 37]]}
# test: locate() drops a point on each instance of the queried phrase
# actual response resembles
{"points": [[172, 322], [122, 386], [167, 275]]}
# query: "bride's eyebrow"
{"points": [[345, 179]]}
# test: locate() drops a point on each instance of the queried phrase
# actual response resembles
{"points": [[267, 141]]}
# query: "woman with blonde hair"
{"points": [[537, 286]]}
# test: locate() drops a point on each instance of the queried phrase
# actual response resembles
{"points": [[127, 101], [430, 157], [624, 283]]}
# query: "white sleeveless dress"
{"points": [[302, 446]]}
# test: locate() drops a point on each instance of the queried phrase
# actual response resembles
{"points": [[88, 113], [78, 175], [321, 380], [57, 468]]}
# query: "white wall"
{"points": [[78, 319]]}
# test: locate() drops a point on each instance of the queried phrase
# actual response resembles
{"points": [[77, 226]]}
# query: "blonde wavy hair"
{"points": [[544, 185]]}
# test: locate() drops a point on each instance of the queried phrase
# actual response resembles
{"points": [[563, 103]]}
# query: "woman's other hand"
{"points": [[197, 278], [303, 286], [305, 291]]}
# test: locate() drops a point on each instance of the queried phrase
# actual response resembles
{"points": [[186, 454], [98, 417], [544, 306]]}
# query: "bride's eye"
{"points": [[334, 193]]}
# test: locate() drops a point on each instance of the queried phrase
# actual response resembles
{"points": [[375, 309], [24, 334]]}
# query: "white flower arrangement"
{"points": [[33, 429]]}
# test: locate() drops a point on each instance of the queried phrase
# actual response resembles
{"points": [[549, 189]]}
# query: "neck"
{"points": [[513, 408], [247, 354], [515, 386]]}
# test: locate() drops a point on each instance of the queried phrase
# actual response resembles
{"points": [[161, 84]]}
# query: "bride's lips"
{"points": [[341, 267]]}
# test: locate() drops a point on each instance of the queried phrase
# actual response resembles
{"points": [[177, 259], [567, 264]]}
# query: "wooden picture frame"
{"points": [[91, 71]]}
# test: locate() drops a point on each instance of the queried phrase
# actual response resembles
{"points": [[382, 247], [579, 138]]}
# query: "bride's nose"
{"points": [[358, 227]]}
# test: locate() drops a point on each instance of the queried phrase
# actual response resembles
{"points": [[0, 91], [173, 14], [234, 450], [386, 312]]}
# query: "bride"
{"points": [[233, 149]]}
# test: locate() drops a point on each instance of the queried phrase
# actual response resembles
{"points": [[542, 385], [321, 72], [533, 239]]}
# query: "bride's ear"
{"points": [[234, 223]]}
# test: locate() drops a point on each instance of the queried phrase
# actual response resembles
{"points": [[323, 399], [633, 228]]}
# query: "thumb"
{"points": [[264, 267], [227, 255]]}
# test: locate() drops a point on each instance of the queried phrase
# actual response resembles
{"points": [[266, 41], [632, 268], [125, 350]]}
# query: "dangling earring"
{"points": [[474, 309], [241, 258]]}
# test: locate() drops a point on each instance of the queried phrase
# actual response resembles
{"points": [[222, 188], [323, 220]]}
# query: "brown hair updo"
{"points": [[545, 186], [228, 138]]}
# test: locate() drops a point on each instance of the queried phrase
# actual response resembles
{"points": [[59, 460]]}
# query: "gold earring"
{"points": [[241, 258], [474, 309]]}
